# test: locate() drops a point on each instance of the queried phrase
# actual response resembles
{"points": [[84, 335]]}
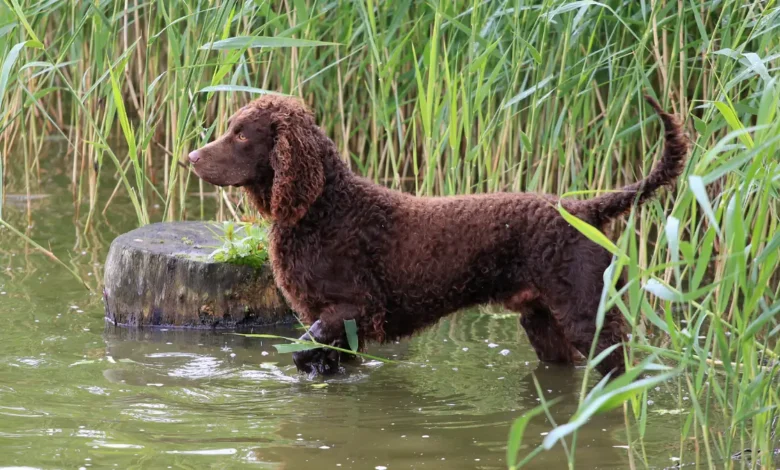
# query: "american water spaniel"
{"points": [[343, 247]]}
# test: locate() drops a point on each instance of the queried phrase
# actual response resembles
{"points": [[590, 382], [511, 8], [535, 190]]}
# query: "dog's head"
{"points": [[273, 147]]}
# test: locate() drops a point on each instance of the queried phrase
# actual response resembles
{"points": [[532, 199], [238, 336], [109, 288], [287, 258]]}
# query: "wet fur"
{"points": [[343, 247]]}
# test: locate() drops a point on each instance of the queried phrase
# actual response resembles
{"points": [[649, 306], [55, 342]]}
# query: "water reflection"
{"points": [[442, 405], [74, 393]]}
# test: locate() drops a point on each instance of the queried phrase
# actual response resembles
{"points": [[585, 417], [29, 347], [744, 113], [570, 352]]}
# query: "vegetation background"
{"points": [[446, 97]]}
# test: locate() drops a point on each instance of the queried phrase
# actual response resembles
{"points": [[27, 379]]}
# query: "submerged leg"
{"points": [[546, 336], [573, 291], [544, 333], [579, 325], [317, 361], [329, 329]]}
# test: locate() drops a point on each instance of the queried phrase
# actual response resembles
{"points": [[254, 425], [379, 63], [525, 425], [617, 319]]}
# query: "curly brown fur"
{"points": [[345, 248]]}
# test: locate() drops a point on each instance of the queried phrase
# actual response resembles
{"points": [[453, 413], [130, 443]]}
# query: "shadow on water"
{"points": [[76, 393]]}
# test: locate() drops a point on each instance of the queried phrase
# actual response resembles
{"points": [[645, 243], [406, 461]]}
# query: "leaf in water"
{"points": [[294, 347], [350, 327], [659, 290], [320, 385], [241, 42]]}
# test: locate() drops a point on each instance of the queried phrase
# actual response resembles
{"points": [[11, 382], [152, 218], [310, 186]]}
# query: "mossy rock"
{"points": [[161, 275]]}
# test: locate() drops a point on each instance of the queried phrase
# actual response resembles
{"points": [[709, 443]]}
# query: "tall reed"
{"points": [[455, 96]]}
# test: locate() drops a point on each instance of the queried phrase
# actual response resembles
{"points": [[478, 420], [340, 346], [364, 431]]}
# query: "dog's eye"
{"points": [[241, 136]]}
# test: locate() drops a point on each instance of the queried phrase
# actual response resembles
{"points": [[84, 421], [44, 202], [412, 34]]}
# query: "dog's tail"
{"points": [[608, 206]]}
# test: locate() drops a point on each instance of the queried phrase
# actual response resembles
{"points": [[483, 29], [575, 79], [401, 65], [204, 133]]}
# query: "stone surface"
{"points": [[160, 275]]}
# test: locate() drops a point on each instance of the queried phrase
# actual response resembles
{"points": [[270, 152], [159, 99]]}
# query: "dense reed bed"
{"points": [[447, 97]]}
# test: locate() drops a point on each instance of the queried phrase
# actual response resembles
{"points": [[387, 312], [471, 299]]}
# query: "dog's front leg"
{"points": [[329, 329], [317, 361]]}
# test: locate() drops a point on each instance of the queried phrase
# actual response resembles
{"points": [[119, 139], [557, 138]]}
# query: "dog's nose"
{"points": [[194, 156]]}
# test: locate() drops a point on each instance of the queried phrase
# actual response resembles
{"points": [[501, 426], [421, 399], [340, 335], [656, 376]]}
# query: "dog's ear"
{"points": [[298, 172]]}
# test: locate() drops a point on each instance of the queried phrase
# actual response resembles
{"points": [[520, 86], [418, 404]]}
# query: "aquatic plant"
{"points": [[709, 328], [251, 249]]}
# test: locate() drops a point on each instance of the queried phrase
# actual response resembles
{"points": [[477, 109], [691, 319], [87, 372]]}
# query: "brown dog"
{"points": [[345, 248]]}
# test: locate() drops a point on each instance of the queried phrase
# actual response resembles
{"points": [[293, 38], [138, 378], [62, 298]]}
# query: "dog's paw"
{"points": [[320, 361]]}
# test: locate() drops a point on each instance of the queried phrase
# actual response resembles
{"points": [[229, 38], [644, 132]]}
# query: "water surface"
{"points": [[77, 394]]}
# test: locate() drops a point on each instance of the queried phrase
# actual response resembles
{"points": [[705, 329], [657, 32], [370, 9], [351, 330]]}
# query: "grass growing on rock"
{"points": [[242, 243]]}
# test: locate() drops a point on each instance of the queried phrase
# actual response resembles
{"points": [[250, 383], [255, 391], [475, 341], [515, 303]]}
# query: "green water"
{"points": [[76, 394]]}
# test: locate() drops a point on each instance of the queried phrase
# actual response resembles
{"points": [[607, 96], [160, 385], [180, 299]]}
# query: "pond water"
{"points": [[77, 394]]}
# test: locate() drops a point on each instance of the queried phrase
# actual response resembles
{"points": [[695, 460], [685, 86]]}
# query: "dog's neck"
{"points": [[259, 193], [260, 197], [334, 167]]}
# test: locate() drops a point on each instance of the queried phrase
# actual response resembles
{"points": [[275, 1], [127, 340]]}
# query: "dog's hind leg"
{"points": [[544, 334], [573, 288], [579, 325]]}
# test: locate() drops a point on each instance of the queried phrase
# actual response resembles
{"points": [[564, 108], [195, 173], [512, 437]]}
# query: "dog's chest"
{"points": [[313, 272], [283, 274]]}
